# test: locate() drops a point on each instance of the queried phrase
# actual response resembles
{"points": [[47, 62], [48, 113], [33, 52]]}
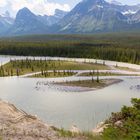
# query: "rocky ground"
{"points": [[15, 124]]}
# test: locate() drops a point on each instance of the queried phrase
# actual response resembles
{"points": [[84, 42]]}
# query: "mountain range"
{"points": [[99, 16], [88, 16]]}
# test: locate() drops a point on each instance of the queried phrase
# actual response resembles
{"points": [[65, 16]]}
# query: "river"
{"points": [[66, 108]]}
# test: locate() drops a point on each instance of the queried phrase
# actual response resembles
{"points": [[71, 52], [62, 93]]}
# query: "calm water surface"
{"points": [[63, 109]]}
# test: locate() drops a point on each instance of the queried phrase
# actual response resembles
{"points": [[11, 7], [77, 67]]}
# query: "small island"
{"points": [[89, 85]]}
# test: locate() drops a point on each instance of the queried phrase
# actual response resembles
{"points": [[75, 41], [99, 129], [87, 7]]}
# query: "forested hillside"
{"points": [[118, 46]]}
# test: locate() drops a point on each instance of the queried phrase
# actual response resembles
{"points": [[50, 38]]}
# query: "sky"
{"points": [[42, 7]]}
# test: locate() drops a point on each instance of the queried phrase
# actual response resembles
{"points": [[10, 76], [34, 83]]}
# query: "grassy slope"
{"points": [[53, 74]]}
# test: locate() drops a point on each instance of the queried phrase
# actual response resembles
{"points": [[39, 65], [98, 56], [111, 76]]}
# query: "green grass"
{"points": [[97, 83], [85, 83], [104, 74], [128, 69], [53, 74], [66, 133], [80, 136], [20, 67]]}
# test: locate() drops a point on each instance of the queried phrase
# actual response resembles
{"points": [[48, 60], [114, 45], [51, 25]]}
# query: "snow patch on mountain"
{"points": [[100, 6], [96, 6], [129, 12], [66, 27]]}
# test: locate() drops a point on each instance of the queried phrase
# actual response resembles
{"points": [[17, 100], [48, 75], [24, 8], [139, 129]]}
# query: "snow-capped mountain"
{"points": [[96, 16], [88, 16]]}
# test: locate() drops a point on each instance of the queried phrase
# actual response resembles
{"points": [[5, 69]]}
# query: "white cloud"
{"points": [[41, 7], [2, 3]]}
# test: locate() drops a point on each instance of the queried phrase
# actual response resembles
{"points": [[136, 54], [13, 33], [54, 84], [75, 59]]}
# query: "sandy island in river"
{"points": [[88, 85]]}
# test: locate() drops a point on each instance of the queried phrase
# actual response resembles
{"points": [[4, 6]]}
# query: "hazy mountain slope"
{"points": [[5, 22], [27, 23], [51, 20], [136, 17]]}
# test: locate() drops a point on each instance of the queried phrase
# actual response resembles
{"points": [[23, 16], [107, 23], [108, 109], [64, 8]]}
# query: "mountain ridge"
{"points": [[95, 16], [88, 16]]}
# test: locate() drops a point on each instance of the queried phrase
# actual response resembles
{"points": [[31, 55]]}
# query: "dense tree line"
{"points": [[126, 49]]}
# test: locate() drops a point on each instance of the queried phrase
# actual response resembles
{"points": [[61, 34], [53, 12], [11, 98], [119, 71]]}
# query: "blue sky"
{"points": [[42, 7]]}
